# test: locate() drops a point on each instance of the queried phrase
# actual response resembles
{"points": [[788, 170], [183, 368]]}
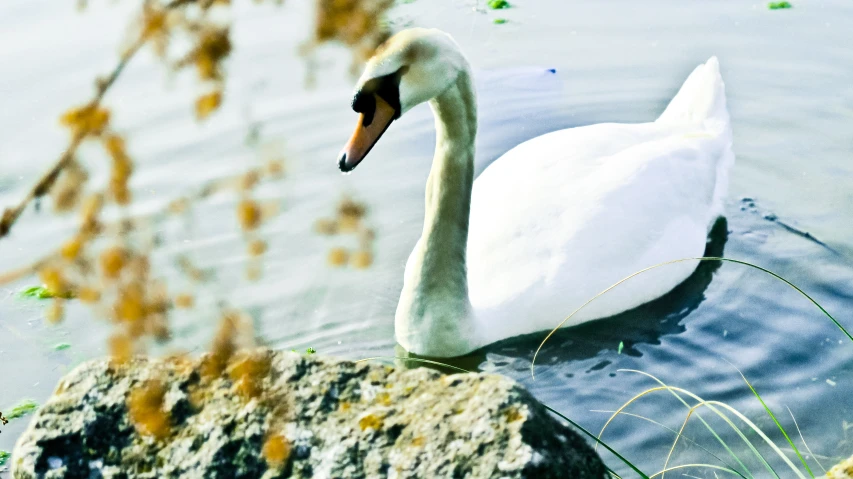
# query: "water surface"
{"points": [[790, 94]]}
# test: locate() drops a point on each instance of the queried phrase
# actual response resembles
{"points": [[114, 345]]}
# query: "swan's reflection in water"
{"points": [[644, 324]]}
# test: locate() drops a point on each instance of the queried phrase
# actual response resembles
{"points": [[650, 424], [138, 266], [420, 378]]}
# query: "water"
{"points": [[790, 93]]}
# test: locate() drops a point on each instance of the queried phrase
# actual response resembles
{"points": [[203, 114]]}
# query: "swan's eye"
{"points": [[387, 87]]}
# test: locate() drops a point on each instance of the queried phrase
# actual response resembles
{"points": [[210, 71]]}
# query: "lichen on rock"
{"points": [[303, 416]]}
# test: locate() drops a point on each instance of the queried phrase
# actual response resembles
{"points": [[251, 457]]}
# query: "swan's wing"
{"points": [[563, 216]]}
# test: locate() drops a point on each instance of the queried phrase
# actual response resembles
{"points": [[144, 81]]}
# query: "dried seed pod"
{"points": [[121, 348], [130, 305], [325, 226], [178, 206], [113, 261], [257, 247], [349, 224], [92, 208], [224, 346], [249, 180], [71, 248], [68, 188], [269, 209], [367, 235], [213, 46], [249, 214], [253, 271], [338, 257], [86, 120], [88, 295], [207, 104], [158, 327], [154, 21], [362, 259], [52, 279], [184, 301], [351, 208], [275, 168], [55, 311]]}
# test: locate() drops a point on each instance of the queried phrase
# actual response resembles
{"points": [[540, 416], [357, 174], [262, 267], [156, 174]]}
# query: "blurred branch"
{"points": [[11, 215], [240, 182]]}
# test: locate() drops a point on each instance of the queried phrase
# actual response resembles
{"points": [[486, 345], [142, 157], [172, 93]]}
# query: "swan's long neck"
{"points": [[434, 314]]}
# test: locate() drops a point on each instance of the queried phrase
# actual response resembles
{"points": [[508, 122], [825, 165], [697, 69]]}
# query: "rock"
{"points": [[281, 414], [842, 470]]}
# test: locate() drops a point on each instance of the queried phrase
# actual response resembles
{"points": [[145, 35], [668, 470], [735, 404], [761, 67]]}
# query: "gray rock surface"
{"points": [[331, 418]]}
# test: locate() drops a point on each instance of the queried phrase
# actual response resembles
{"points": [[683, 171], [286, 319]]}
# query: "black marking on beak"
{"points": [[342, 163]]}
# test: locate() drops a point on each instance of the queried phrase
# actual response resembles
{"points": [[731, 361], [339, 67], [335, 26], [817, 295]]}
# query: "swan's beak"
{"points": [[367, 133]]}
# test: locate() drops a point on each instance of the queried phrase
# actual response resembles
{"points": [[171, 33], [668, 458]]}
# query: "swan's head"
{"points": [[410, 68]]}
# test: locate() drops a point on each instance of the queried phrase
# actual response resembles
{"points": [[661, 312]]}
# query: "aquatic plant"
{"points": [[26, 406], [779, 5], [724, 411], [41, 292]]}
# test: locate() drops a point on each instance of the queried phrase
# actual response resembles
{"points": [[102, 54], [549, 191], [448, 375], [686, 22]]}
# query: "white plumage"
{"points": [[555, 220], [561, 217]]}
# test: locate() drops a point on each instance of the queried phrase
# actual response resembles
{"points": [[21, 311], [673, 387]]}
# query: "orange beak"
{"points": [[365, 136]]}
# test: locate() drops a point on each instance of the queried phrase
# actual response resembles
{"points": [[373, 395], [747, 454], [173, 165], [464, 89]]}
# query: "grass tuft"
{"points": [[773, 416]]}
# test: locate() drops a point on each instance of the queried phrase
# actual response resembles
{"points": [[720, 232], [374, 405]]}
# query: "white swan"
{"points": [[553, 221]]}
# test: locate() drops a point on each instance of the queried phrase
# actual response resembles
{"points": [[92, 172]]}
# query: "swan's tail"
{"points": [[702, 98], [702, 101]]}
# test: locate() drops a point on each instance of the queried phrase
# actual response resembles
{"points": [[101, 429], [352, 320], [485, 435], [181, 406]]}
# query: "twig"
{"points": [[206, 190], [11, 215]]}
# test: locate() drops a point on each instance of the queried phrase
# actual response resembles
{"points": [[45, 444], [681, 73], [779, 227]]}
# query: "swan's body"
{"points": [[558, 218]]}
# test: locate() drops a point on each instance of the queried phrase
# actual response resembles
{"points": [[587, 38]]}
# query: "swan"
{"points": [[553, 221]]}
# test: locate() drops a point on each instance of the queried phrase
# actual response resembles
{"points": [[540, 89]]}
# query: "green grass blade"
{"points": [[679, 434], [773, 416], [684, 466], [599, 441], [664, 387], [804, 441], [675, 390]]}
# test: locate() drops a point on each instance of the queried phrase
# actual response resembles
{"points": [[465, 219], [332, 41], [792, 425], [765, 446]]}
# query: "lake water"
{"points": [[789, 79]]}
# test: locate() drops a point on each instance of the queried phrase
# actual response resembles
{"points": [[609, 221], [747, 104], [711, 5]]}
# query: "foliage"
{"points": [[779, 5], [40, 292], [498, 4], [107, 265], [23, 408]]}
